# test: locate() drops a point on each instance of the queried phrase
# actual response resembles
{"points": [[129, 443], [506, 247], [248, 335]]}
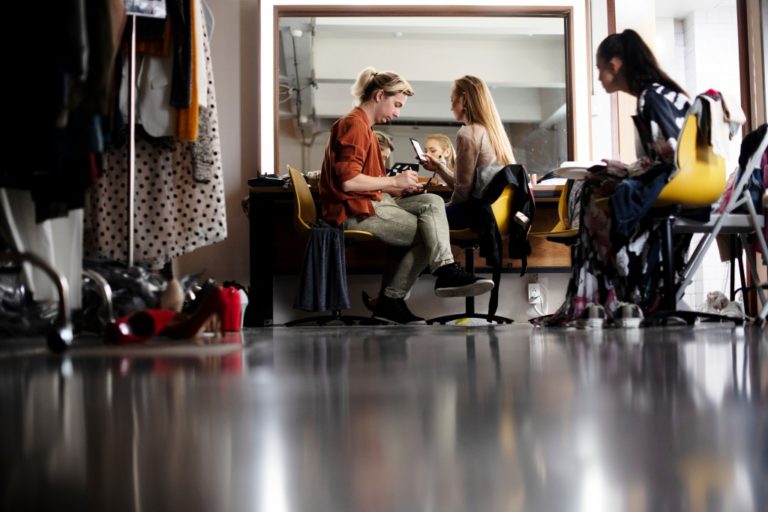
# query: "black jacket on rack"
{"points": [[55, 119]]}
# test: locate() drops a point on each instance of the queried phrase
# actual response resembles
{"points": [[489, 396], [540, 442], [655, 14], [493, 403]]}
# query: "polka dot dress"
{"points": [[174, 214]]}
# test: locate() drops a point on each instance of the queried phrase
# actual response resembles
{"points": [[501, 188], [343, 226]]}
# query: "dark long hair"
{"points": [[639, 67]]}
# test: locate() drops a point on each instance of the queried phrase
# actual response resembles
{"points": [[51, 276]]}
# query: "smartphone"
{"points": [[419, 152]]}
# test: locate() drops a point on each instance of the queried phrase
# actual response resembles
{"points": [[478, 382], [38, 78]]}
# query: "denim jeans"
{"points": [[418, 222]]}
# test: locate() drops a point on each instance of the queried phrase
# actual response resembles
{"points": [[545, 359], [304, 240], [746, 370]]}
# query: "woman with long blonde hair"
{"points": [[482, 146]]}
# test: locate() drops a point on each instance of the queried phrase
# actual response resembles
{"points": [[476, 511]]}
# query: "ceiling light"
{"points": [[297, 32]]}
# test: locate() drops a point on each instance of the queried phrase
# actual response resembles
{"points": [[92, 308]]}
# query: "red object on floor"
{"points": [[138, 327], [223, 302]]}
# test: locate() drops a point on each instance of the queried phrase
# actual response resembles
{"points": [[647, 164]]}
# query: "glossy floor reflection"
{"points": [[393, 419]]}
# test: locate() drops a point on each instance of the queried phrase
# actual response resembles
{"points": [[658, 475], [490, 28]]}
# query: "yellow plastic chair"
{"points": [[305, 216], [700, 180], [560, 233], [469, 240], [305, 212], [737, 218]]}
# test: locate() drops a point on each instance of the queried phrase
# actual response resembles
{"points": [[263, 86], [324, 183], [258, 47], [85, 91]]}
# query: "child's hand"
{"points": [[430, 163]]}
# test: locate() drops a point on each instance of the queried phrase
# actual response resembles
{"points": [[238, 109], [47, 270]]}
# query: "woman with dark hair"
{"points": [[615, 271]]}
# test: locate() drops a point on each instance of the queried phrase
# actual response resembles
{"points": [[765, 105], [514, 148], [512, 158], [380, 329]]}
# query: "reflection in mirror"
{"points": [[521, 58]]}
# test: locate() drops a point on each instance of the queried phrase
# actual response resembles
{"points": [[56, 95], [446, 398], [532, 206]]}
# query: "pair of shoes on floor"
{"points": [[454, 281], [395, 310], [218, 311], [628, 316]]}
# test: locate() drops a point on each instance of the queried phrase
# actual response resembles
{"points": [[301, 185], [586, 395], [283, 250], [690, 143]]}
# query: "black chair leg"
{"points": [[732, 249], [493, 302], [668, 259], [742, 276], [669, 301], [469, 259], [336, 316]]}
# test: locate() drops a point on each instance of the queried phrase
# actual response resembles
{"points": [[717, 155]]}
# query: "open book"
{"points": [[576, 170]]}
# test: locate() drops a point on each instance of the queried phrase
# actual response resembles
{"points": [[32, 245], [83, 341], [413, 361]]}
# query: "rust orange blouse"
{"points": [[352, 149]]}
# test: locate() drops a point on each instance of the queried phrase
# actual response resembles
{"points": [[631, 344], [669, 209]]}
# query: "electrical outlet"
{"points": [[534, 293]]}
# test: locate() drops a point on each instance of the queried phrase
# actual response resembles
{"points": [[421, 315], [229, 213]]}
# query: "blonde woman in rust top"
{"points": [[482, 147], [356, 193]]}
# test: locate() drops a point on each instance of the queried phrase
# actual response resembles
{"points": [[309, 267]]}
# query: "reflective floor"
{"points": [[392, 419]]}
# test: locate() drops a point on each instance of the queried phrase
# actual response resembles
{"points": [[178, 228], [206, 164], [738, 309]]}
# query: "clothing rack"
{"points": [[131, 138], [156, 10]]}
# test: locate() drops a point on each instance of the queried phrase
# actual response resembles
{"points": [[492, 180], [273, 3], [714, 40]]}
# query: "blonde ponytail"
{"points": [[369, 81]]}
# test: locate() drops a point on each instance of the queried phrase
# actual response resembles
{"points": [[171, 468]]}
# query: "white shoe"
{"points": [[733, 310], [593, 317], [628, 316]]}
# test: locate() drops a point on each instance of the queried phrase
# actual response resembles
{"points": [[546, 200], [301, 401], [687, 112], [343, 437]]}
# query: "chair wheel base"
{"points": [[336, 320], [59, 339], [489, 318]]}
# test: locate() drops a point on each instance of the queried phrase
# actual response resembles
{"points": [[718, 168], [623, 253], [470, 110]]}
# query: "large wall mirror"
{"points": [[523, 55]]}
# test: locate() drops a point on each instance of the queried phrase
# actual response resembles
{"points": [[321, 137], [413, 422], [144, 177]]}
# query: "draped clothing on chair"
{"points": [[323, 281], [482, 221]]}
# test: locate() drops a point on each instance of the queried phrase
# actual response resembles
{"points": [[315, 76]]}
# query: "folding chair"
{"points": [[699, 167], [730, 222]]}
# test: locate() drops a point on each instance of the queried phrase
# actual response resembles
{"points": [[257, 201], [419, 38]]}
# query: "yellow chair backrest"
{"points": [[501, 212], [304, 204], [563, 216], [700, 178]]}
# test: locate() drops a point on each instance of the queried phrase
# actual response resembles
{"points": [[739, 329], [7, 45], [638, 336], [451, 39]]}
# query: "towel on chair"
{"points": [[323, 281]]}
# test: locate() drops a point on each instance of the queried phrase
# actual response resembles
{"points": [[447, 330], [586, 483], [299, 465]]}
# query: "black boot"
{"points": [[454, 281], [395, 310]]}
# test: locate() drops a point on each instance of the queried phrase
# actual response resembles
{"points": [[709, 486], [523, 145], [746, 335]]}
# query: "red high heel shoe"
{"points": [[138, 327], [220, 303]]}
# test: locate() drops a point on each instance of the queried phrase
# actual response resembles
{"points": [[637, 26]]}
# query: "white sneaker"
{"points": [[628, 316], [733, 310], [593, 317]]}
